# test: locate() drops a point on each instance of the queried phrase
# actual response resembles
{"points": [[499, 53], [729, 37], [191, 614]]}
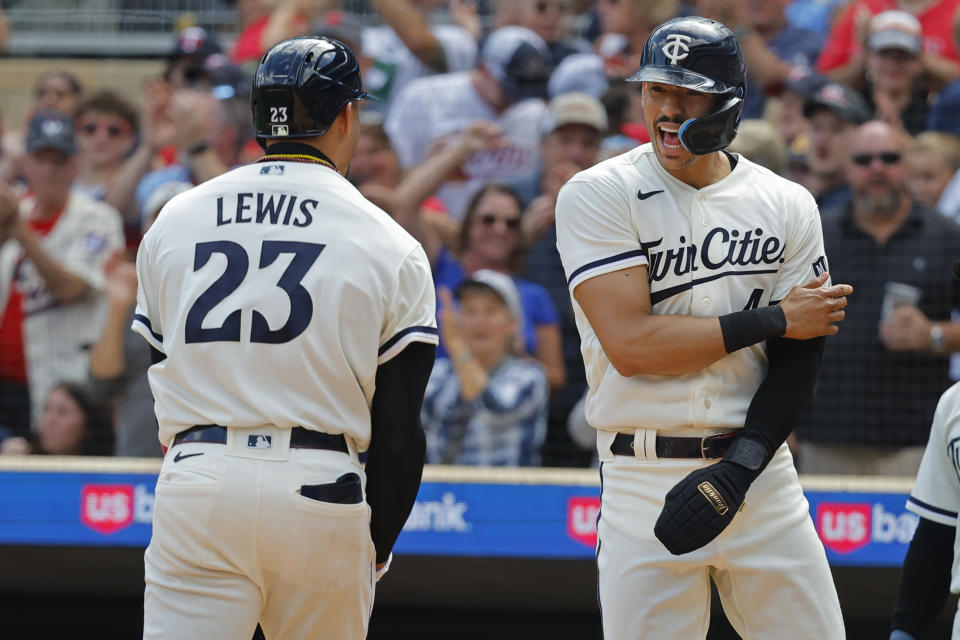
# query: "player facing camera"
{"points": [[694, 81], [699, 372]]}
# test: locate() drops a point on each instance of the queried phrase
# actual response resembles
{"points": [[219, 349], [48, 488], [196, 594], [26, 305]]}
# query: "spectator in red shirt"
{"points": [[843, 57]]}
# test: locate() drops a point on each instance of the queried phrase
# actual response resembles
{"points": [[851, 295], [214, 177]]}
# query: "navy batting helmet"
{"points": [[703, 55], [301, 85]]}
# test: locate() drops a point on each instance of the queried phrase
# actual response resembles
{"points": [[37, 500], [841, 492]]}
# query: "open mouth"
{"points": [[669, 136]]}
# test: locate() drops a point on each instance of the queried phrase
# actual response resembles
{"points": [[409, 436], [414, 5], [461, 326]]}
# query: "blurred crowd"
{"points": [[485, 108]]}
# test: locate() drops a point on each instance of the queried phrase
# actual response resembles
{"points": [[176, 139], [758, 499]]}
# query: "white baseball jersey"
{"points": [[276, 290], [936, 494], [57, 335], [436, 107], [739, 243]]}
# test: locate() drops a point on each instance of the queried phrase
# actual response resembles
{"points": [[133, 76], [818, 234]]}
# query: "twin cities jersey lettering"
{"points": [[739, 243], [261, 269]]}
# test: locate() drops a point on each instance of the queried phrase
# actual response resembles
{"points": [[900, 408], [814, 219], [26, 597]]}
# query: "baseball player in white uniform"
{"points": [[931, 568], [700, 292], [294, 330]]}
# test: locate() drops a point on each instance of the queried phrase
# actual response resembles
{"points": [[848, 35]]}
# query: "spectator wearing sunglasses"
{"points": [[490, 238], [883, 373], [107, 129]]}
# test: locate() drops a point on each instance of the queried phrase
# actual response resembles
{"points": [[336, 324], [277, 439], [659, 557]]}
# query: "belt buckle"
{"points": [[706, 440], [703, 445]]}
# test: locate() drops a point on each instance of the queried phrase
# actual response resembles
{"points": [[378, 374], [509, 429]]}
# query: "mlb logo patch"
{"points": [[259, 441], [280, 130], [272, 170]]}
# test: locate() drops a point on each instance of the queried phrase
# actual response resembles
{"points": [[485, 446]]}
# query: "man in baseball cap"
{"points": [[894, 66], [519, 61], [833, 111], [51, 130]]}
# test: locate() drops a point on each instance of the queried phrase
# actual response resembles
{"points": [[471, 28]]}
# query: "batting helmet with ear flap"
{"points": [[301, 85], [702, 55]]}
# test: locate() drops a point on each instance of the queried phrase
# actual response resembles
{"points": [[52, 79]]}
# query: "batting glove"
{"points": [[699, 507]]}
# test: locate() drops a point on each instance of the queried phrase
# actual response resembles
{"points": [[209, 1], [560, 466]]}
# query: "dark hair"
{"points": [[110, 102], [97, 420], [70, 79], [515, 262]]}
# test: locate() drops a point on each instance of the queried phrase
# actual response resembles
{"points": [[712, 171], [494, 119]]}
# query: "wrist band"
{"points": [[744, 328]]}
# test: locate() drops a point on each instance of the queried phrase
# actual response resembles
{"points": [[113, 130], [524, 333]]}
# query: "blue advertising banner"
{"points": [[485, 519]]}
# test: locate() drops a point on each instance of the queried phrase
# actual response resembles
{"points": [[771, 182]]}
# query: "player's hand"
{"points": [[812, 308], [907, 329], [699, 507]]}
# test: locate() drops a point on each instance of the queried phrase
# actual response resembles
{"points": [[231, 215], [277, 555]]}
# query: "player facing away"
{"points": [[930, 569], [700, 289], [293, 324]]}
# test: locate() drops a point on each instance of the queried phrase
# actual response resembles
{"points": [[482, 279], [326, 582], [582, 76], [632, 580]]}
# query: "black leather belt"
{"points": [[300, 438], [712, 446]]}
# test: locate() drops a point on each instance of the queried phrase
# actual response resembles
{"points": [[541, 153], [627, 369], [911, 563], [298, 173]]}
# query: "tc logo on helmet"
{"points": [[676, 48]]}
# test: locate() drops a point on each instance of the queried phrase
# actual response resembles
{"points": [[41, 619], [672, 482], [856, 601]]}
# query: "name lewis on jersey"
{"points": [[266, 208], [721, 248]]}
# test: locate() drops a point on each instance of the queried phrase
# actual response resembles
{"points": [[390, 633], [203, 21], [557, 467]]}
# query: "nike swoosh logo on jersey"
{"points": [[644, 196], [180, 456]]}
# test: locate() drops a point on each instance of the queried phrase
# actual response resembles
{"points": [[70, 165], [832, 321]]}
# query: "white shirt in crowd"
{"points": [[437, 107]]}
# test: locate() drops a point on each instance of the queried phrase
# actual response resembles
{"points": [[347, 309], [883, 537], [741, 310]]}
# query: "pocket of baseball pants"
{"points": [[329, 548]]}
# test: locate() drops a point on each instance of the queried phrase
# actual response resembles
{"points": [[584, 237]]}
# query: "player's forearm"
{"points": [[107, 359], [925, 579], [397, 444], [666, 345], [61, 283], [414, 30], [788, 390]]}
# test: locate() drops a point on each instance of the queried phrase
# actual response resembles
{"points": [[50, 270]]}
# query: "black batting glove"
{"points": [[701, 505]]}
